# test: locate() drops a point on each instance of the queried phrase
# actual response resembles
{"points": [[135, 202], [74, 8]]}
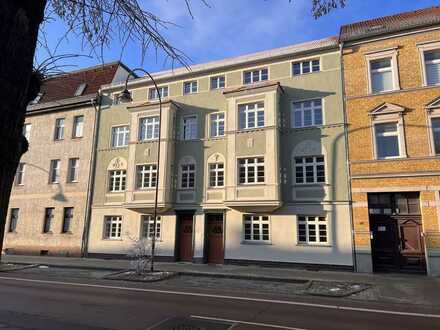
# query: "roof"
{"points": [[75, 86], [306, 47], [389, 24]]}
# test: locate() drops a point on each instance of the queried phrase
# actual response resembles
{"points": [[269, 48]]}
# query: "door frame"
{"points": [[179, 214], [206, 235]]}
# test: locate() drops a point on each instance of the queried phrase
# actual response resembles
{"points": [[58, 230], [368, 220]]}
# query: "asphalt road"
{"points": [[29, 301]]}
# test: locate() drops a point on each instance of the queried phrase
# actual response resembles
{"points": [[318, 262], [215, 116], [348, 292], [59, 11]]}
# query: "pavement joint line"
{"points": [[225, 297], [267, 325]]}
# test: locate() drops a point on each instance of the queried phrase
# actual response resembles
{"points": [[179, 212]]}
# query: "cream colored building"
{"points": [[48, 204], [252, 167]]}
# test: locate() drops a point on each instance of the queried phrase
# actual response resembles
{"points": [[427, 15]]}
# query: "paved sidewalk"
{"points": [[399, 288]]}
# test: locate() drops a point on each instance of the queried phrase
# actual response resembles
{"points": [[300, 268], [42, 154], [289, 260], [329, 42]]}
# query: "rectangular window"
{"points": [[48, 217], [304, 67], [251, 115], [152, 93], [189, 128], [112, 227], [256, 228], [432, 67], [117, 180], [78, 127], [387, 140], [19, 175], [217, 124], [73, 169], [188, 176], [190, 87], [251, 170], [54, 174], [27, 131], [307, 113], [435, 123], [148, 128], [13, 220], [216, 175], [312, 230], [67, 219], [146, 176], [218, 82], [309, 170], [254, 76], [120, 136], [59, 129], [381, 71], [148, 227]]}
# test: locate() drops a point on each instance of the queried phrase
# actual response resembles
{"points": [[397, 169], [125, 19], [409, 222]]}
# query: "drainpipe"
{"points": [[91, 182], [353, 241]]}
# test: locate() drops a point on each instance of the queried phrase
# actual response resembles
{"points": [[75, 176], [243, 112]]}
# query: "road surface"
{"points": [[29, 301]]}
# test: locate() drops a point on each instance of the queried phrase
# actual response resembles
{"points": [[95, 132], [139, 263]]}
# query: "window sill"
{"points": [[253, 129], [384, 92], [66, 232], [112, 239], [391, 158], [250, 184], [304, 74], [53, 183], [117, 148], [314, 245], [216, 188], [12, 232], [50, 232], [313, 184], [72, 182], [256, 243], [76, 138], [149, 189], [186, 189]]}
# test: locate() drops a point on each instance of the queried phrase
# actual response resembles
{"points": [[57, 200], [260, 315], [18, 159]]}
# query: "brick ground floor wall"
{"points": [[429, 189], [282, 248]]}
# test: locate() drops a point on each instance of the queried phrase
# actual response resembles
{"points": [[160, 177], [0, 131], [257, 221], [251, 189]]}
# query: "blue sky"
{"points": [[231, 28]]}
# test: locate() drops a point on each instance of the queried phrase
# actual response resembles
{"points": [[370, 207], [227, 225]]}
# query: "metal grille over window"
{"points": [[309, 170], [251, 170], [256, 228], [312, 230], [148, 226], [112, 227]]}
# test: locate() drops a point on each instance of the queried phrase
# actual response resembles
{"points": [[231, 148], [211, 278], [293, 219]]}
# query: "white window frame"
{"points": [[147, 227], [217, 82], [304, 165], [54, 174], [433, 112], [78, 126], [73, 170], [27, 128], [60, 125], [216, 170], [19, 175], [245, 108], [152, 93], [380, 55], [315, 221], [184, 169], [260, 221], [120, 130], [147, 123], [192, 90], [194, 128], [254, 164], [144, 175], [301, 64], [113, 175], [260, 75], [215, 120], [313, 109], [400, 136], [426, 47], [112, 221]]}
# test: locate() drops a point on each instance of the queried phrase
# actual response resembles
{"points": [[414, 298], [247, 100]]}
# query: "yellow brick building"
{"points": [[391, 71]]}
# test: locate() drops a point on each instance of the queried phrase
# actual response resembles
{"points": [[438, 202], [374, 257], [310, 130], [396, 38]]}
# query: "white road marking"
{"points": [[267, 325], [225, 297]]}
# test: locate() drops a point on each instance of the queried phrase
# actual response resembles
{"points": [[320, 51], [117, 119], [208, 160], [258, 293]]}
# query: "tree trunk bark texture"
{"points": [[19, 25]]}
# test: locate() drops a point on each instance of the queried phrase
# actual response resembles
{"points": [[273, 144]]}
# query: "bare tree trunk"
{"points": [[19, 24]]}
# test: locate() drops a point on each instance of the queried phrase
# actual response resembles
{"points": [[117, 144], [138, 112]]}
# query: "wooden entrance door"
{"points": [[215, 238], [396, 226], [186, 238]]}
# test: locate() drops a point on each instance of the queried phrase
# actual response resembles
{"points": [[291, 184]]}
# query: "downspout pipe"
{"points": [[347, 153], [92, 170]]}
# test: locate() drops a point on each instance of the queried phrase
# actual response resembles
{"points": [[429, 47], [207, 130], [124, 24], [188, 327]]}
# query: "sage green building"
{"points": [[252, 166]]}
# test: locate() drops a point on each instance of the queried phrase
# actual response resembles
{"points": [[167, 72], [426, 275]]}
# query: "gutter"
{"points": [[91, 179], [347, 153]]}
